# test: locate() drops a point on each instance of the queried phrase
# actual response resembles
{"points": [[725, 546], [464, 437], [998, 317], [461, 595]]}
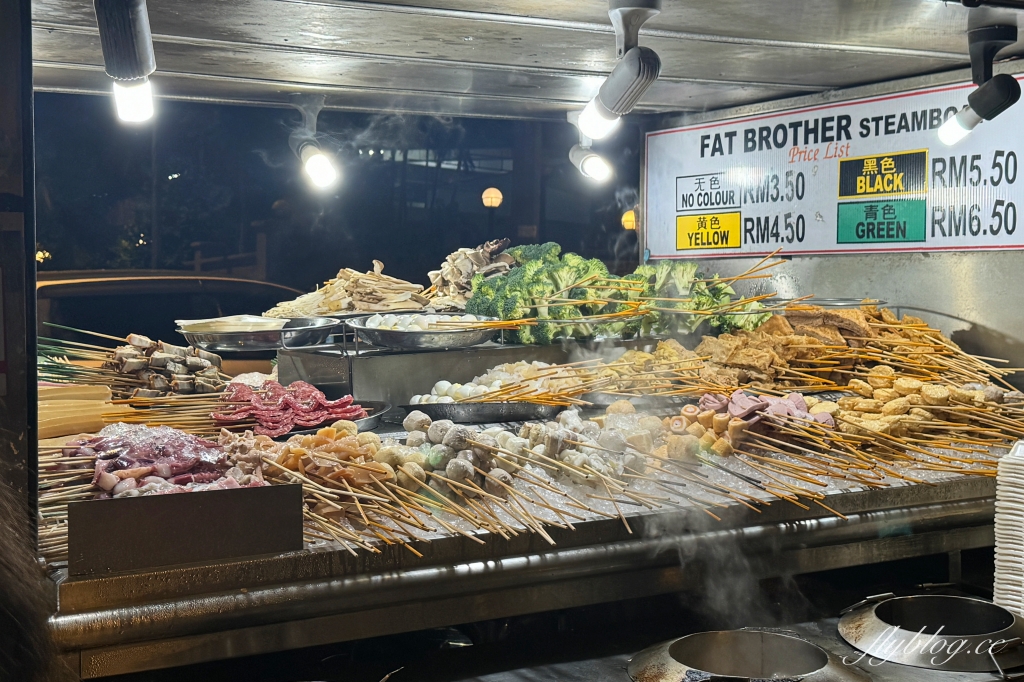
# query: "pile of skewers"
{"points": [[141, 368]]}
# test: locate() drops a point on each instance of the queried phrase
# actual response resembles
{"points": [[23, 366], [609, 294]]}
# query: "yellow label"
{"points": [[708, 231]]}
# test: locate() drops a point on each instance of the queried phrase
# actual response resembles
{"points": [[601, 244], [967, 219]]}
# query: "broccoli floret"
{"points": [[561, 276], [485, 291], [646, 271], [525, 336], [513, 307], [544, 333], [528, 252], [673, 279]]}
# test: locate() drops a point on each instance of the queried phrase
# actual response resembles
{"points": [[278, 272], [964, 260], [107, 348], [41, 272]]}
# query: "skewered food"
{"points": [[142, 368], [277, 410], [508, 382], [134, 460], [351, 290]]}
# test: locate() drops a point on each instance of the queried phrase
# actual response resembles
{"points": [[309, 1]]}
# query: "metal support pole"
{"points": [[18, 408]]}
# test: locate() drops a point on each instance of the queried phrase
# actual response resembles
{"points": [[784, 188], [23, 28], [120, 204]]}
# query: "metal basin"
{"points": [[739, 655], [940, 632], [412, 341], [298, 332]]}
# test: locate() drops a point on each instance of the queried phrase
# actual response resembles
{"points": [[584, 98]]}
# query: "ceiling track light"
{"points": [[636, 71], [591, 164], [128, 56], [318, 164], [995, 94]]}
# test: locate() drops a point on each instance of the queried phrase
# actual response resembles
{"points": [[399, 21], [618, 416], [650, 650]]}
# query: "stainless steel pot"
{"points": [[940, 632], [739, 655]]}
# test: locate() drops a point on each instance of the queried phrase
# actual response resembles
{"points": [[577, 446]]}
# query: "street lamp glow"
{"points": [[492, 197], [134, 102]]}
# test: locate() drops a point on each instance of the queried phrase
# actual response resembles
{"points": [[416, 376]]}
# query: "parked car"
{"points": [[119, 302]]}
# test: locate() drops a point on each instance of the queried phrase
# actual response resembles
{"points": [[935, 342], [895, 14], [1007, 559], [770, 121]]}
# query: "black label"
{"points": [[883, 175]]}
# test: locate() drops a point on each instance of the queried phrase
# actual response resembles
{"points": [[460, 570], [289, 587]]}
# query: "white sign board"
{"points": [[860, 176]]}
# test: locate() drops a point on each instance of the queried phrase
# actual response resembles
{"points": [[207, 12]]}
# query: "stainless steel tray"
{"points": [[430, 340], [298, 332], [374, 409], [487, 413]]}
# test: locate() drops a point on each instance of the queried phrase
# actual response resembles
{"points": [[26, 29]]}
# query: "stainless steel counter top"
{"points": [[190, 614]]}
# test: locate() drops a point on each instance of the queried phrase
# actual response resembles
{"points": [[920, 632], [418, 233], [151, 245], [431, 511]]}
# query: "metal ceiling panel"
{"points": [[523, 57]]}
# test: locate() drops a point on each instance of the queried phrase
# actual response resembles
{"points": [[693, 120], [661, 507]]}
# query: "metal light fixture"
{"points": [[318, 164], [636, 71], [492, 197], [591, 164], [995, 94], [128, 55]]}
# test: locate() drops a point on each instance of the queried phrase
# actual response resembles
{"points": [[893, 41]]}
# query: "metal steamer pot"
{"points": [[739, 655], [939, 632]]}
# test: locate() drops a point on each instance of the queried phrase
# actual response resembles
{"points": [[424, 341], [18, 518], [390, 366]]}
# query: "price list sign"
{"points": [[861, 176]]}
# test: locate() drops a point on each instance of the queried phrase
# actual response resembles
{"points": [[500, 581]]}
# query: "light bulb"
{"points": [[134, 102], [959, 126], [594, 124], [319, 168], [596, 168]]}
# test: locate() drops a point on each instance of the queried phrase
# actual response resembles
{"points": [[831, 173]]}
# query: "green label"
{"points": [[873, 222]]}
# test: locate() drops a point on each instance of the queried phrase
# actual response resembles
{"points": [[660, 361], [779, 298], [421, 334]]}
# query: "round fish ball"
{"points": [[415, 439], [453, 390], [457, 437], [345, 427], [440, 486], [387, 455], [415, 400], [502, 437], [439, 456], [411, 475], [446, 400], [441, 387], [495, 482], [486, 447], [459, 470], [369, 438], [468, 456], [408, 455], [437, 430], [416, 421]]}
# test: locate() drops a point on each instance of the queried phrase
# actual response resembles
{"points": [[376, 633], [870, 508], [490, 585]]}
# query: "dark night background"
{"points": [[116, 196]]}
